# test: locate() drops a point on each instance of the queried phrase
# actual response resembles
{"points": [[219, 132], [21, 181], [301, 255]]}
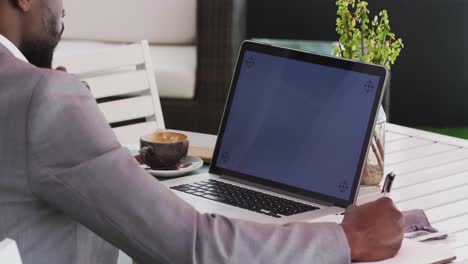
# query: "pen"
{"points": [[387, 186]]}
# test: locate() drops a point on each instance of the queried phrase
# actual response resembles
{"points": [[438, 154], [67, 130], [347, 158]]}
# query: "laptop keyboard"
{"points": [[244, 198]]}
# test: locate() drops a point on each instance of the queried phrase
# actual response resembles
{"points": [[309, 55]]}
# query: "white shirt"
{"points": [[12, 48]]}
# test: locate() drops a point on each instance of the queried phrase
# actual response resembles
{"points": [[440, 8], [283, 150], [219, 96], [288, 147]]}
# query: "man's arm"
{"points": [[77, 166]]}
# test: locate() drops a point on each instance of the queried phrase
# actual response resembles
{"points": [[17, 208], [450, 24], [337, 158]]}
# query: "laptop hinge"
{"points": [[283, 192]]}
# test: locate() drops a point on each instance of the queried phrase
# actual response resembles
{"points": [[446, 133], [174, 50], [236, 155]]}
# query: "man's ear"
{"points": [[23, 5]]}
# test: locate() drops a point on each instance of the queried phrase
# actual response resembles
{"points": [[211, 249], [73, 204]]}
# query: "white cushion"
{"points": [[158, 21], [175, 66]]}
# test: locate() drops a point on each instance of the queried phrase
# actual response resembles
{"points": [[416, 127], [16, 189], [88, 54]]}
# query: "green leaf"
{"points": [[356, 30]]}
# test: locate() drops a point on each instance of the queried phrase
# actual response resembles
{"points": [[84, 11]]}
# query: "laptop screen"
{"points": [[298, 123]]}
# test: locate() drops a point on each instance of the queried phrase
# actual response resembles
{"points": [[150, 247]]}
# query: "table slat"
{"points": [[432, 173], [404, 144], [453, 225], [449, 211], [416, 153], [435, 200], [391, 136], [411, 132], [428, 162], [430, 187]]}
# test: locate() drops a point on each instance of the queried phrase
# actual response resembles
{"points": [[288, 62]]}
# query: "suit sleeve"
{"points": [[77, 166]]}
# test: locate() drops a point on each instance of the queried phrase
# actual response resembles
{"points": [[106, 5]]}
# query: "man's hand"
{"points": [[374, 230], [61, 68]]}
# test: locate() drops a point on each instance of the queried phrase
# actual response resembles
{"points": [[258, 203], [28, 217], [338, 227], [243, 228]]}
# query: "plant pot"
{"points": [[374, 167]]}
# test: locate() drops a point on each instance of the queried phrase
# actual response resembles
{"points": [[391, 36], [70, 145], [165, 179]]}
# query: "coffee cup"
{"points": [[163, 150]]}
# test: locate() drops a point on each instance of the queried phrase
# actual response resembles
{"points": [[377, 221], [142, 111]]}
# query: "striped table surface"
{"points": [[432, 174]]}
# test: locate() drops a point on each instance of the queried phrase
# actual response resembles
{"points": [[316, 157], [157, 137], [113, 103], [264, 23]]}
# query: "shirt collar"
{"points": [[12, 48]]}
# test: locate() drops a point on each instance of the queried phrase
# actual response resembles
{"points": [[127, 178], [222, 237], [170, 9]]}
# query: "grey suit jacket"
{"points": [[69, 193]]}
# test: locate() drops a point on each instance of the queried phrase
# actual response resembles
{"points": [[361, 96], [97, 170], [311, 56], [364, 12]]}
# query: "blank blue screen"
{"points": [[298, 123]]}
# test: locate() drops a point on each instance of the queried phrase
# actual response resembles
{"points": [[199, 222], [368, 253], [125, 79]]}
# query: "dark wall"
{"points": [[292, 19], [430, 79]]}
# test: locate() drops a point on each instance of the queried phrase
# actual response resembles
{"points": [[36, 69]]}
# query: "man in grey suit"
{"points": [[70, 193]]}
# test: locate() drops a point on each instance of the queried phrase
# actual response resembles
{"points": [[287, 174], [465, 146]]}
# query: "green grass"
{"points": [[459, 132]]}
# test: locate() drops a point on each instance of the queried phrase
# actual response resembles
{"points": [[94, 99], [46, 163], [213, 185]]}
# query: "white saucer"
{"points": [[189, 164]]}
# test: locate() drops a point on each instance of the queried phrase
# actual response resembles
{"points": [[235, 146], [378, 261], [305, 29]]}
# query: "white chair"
{"points": [[9, 252], [122, 80]]}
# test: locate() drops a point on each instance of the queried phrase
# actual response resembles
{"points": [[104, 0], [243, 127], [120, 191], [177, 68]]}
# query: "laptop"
{"points": [[293, 139]]}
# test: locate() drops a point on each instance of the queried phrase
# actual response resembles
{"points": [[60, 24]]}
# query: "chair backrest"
{"points": [[9, 252], [123, 82]]}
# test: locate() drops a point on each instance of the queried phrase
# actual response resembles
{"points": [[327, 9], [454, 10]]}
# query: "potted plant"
{"points": [[372, 42]]}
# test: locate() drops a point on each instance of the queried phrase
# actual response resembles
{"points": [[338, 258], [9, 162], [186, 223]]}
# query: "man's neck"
{"points": [[10, 36], [10, 23], [12, 47]]}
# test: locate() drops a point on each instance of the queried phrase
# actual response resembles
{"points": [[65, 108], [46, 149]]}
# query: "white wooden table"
{"points": [[432, 174]]}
